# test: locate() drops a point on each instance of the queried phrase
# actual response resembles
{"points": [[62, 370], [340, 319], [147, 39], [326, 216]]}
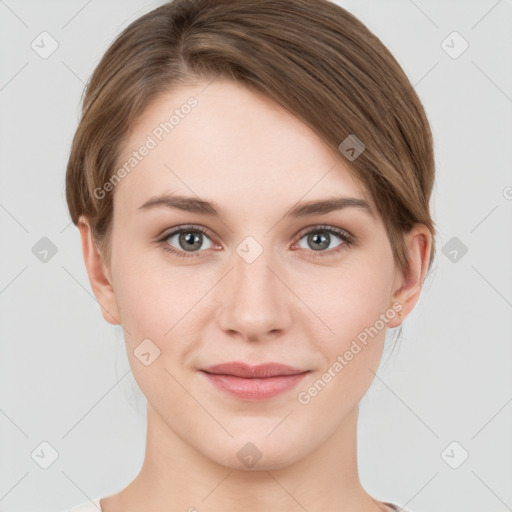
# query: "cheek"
{"points": [[355, 295], [148, 300], [160, 302], [351, 304], [152, 306]]}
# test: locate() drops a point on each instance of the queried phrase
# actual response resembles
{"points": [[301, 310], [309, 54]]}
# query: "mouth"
{"points": [[259, 382]]}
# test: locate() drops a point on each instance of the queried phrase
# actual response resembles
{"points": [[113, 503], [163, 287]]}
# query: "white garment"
{"points": [[94, 506], [89, 506]]}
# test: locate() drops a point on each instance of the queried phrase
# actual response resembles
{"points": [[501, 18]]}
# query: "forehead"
{"points": [[224, 141]]}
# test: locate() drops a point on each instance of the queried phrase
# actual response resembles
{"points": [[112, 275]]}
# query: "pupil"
{"points": [[324, 240], [190, 239]]}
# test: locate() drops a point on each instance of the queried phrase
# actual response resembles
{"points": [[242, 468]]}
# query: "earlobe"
{"points": [[98, 274], [419, 246]]}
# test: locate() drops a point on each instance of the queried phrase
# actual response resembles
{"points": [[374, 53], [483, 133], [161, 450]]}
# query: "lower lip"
{"points": [[255, 389]]}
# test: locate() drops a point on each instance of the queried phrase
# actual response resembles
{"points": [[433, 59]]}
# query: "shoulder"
{"points": [[89, 506]]}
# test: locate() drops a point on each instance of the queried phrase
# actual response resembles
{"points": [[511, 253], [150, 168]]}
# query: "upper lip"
{"points": [[240, 369]]}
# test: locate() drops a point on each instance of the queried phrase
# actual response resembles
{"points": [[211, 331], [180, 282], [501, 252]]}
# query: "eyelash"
{"points": [[348, 240]]}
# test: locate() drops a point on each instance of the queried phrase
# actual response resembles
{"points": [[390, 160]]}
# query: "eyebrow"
{"points": [[301, 209]]}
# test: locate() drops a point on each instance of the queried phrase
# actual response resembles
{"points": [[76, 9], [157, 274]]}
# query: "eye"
{"points": [[188, 240], [319, 240]]}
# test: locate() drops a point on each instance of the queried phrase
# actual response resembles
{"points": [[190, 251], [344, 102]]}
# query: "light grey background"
{"points": [[64, 375]]}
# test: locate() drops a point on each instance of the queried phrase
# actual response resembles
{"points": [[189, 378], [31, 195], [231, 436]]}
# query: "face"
{"points": [[264, 280]]}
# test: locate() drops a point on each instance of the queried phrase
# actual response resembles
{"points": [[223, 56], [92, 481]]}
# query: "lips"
{"points": [[260, 382], [246, 371]]}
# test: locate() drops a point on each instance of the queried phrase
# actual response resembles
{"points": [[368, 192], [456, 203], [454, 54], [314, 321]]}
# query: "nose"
{"points": [[256, 303]]}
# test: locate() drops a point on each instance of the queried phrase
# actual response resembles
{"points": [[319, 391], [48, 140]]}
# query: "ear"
{"points": [[408, 284], [99, 275]]}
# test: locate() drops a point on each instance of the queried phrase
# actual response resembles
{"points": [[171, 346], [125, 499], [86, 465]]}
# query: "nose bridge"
{"points": [[254, 303], [251, 270]]}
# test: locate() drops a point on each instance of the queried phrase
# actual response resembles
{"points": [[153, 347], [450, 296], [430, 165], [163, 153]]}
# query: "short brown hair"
{"points": [[310, 56]]}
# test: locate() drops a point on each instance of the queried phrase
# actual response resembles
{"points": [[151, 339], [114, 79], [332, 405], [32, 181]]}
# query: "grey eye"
{"points": [[319, 240], [189, 240]]}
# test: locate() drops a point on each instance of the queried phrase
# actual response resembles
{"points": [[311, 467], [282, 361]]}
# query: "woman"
{"points": [[251, 182]]}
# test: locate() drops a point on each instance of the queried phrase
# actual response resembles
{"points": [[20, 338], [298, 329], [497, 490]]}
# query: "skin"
{"points": [[255, 161]]}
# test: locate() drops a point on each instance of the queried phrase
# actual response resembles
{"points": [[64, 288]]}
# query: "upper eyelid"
{"points": [[327, 227], [179, 229]]}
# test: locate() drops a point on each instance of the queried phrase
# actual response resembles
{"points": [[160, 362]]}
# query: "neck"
{"points": [[174, 476]]}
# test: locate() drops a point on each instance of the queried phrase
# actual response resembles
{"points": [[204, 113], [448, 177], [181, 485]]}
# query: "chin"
{"points": [[254, 453]]}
